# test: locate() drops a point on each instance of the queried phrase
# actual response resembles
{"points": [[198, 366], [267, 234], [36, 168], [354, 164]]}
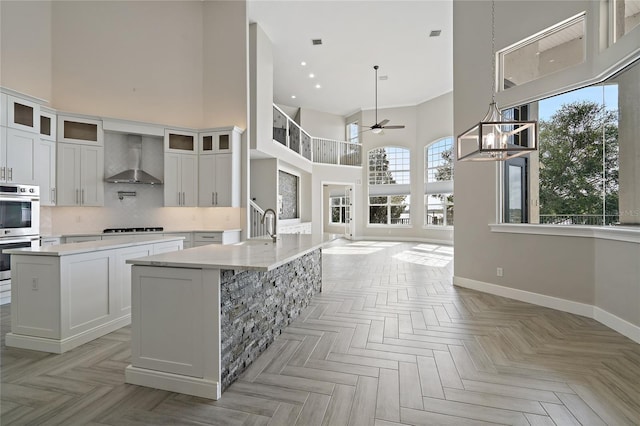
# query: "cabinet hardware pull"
{"points": [[77, 196], [10, 173], [2, 173], [179, 199], [213, 200], [83, 196], [53, 195], [207, 236]]}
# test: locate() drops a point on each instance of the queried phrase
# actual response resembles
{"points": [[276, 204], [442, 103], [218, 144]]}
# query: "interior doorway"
{"points": [[338, 209]]}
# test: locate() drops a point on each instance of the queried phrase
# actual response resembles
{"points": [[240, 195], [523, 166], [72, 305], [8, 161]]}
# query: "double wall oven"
{"points": [[19, 221]]}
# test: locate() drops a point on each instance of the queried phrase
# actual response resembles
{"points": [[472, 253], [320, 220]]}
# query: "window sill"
{"points": [[384, 225], [617, 233]]}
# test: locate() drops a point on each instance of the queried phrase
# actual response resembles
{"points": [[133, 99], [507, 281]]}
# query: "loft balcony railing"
{"points": [[580, 219], [318, 150]]}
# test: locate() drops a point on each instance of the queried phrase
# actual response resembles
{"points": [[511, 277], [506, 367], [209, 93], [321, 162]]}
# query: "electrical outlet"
{"points": [[499, 272]]}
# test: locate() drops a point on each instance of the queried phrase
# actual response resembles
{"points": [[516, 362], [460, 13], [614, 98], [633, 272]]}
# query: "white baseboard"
{"points": [[610, 320], [618, 324], [196, 386], [58, 346]]}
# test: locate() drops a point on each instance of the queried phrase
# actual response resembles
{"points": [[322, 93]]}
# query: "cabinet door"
{"points": [[80, 130], [45, 165], [68, 175], [206, 180], [20, 147], [224, 180], [23, 115], [180, 142], [48, 124], [172, 190], [189, 180], [92, 176]]}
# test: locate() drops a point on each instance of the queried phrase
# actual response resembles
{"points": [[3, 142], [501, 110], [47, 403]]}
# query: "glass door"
{"points": [[348, 221]]}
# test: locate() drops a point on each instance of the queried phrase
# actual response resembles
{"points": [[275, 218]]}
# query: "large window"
{"points": [[551, 50], [389, 186], [439, 183], [575, 177], [353, 132]]}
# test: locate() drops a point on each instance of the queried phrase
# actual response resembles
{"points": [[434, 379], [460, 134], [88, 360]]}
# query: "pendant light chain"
{"points": [[493, 51]]}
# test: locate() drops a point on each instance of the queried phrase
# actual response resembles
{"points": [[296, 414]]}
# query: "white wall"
{"points": [[264, 183], [322, 124], [556, 266], [260, 87], [25, 47], [135, 60]]}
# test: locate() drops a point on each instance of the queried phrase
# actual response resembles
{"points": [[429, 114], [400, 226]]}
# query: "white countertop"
{"points": [[92, 246], [124, 234], [254, 254]]}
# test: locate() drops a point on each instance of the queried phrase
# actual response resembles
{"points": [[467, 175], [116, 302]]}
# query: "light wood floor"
{"points": [[389, 341]]}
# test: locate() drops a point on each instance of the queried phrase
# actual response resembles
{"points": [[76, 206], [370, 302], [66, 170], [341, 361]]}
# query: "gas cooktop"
{"points": [[144, 229]]}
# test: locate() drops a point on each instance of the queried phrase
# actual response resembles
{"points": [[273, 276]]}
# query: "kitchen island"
{"points": [[201, 316], [63, 296]]}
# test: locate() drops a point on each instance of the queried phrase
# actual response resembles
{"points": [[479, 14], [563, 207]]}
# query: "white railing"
{"points": [[328, 151], [318, 150], [258, 229]]}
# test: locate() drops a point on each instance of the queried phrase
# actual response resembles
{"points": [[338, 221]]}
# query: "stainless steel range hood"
{"points": [[134, 174]]}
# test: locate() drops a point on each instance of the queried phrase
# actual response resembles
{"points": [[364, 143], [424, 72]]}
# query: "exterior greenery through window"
{"points": [[389, 186], [439, 183], [577, 163], [338, 209]]}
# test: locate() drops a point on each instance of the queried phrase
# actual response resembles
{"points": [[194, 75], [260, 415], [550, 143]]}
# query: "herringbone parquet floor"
{"points": [[389, 341]]}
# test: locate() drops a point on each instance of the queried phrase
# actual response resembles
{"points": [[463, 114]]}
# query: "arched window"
{"points": [[438, 183], [389, 186]]}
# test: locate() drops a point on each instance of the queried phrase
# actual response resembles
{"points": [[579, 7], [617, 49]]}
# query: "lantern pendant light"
{"points": [[494, 138]]}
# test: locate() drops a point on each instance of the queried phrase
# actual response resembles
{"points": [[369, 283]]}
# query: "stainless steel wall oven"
{"points": [[19, 221]]}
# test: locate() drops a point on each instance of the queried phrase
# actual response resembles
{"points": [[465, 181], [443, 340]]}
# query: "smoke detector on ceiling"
{"points": [[435, 33], [383, 77], [316, 41]]}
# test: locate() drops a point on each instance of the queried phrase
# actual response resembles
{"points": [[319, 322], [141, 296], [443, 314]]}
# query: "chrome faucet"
{"points": [[274, 227]]}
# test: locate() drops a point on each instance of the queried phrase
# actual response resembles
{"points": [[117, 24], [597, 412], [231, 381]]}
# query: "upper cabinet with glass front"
{"points": [[47, 125], [23, 114], [180, 141], [76, 129], [220, 141]]}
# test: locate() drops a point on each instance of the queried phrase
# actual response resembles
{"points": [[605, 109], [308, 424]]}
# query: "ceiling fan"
{"points": [[379, 125]]}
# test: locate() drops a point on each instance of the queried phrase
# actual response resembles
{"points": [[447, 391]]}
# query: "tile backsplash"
{"points": [[145, 209]]}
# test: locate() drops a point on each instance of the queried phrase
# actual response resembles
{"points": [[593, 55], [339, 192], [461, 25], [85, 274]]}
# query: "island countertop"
{"points": [[253, 254], [92, 246]]}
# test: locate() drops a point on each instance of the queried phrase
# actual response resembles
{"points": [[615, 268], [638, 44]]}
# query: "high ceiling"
{"points": [[356, 35]]}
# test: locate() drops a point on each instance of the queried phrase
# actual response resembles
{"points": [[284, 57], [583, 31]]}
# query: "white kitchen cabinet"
{"points": [[82, 130], [23, 114], [82, 239], [220, 141], [180, 141], [48, 125], [50, 241], [219, 180], [45, 171], [17, 155], [188, 238], [180, 180], [80, 170], [3, 109], [216, 237]]}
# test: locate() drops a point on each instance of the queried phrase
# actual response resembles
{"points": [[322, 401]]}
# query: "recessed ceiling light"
{"points": [[293, 96], [435, 33], [383, 77], [303, 63], [312, 75], [316, 41], [318, 86]]}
